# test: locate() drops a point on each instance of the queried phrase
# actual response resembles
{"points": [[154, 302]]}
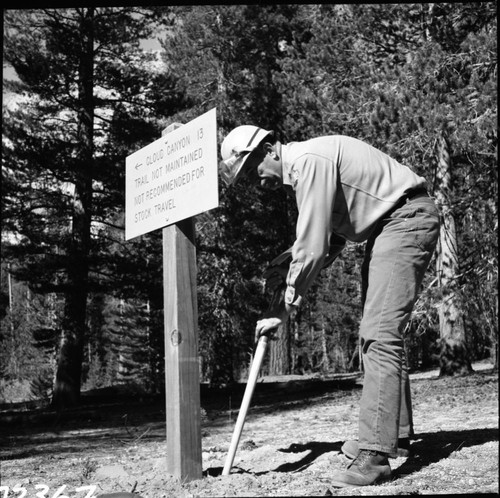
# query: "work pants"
{"points": [[397, 256]]}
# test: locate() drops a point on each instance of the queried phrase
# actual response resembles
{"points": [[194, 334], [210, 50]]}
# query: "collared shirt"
{"points": [[343, 187]]}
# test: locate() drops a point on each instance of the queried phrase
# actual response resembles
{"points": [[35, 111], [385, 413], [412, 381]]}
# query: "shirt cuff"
{"points": [[292, 297]]}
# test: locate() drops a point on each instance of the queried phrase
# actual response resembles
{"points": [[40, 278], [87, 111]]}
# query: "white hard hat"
{"points": [[236, 148]]}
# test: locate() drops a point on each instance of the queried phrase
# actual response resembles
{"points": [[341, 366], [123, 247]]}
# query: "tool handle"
{"points": [[260, 352], [247, 398]]}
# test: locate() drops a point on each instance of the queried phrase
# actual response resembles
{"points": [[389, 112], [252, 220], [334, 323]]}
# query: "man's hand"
{"points": [[277, 315], [275, 276], [277, 271], [267, 326]]}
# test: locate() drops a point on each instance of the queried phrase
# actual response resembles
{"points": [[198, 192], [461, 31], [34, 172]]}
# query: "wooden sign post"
{"points": [[182, 378], [167, 183]]}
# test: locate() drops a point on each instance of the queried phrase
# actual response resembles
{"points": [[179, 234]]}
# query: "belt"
{"points": [[411, 195]]}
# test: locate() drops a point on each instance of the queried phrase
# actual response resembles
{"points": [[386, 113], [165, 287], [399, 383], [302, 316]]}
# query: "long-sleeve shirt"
{"points": [[343, 187]]}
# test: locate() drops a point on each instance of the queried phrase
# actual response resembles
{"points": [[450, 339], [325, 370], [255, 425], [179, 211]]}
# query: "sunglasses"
{"points": [[230, 168]]}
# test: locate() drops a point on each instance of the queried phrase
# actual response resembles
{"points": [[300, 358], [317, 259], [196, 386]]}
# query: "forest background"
{"points": [[82, 308]]}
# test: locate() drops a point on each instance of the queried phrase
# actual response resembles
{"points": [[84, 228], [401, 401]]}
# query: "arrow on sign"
{"points": [[138, 165]]}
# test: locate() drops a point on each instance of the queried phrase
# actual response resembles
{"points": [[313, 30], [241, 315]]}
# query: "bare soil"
{"points": [[290, 444]]}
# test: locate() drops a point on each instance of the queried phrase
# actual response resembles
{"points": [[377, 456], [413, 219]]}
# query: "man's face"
{"points": [[264, 167]]}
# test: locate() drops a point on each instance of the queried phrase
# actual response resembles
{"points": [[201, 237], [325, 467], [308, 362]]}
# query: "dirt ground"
{"points": [[290, 445]]}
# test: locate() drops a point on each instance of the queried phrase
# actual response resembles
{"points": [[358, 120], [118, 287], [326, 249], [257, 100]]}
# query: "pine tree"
{"points": [[454, 357], [226, 56], [397, 76], [83, 71]]}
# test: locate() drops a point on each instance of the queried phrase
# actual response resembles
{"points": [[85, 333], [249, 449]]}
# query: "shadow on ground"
{"points": [[431, 447], [426, 449], [315, 448]]}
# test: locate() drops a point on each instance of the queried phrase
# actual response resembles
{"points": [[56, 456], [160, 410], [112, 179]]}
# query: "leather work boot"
{"points": [[351, 449], [368, 468]]}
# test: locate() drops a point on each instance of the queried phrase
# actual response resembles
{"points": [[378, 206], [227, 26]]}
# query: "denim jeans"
{"points": [[397, 256]]}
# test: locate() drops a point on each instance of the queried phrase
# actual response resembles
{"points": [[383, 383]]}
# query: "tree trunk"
{"points": [[69, 366], [325, 361], [453, 358]]}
